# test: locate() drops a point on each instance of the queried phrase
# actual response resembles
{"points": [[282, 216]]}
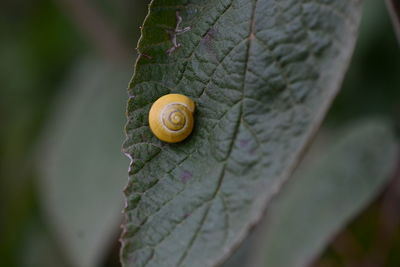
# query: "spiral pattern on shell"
{"points": [[171, 118]]}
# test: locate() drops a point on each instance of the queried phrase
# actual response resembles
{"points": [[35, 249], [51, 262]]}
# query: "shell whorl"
{"points": [[174, 116], [171, 117]]}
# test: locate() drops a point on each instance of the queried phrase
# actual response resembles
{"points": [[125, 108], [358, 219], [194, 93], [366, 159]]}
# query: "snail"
{"points": [[171, 117]]}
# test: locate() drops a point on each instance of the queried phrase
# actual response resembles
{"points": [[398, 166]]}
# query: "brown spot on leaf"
{"points": [[185, 176], [252, 36], [208, 39], [243, 142]]}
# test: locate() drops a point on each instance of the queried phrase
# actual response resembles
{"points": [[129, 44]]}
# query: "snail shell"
{"points": [[171, 117]]}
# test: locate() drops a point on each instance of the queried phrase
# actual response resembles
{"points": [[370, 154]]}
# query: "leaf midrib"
{"points": [[236, 130]]}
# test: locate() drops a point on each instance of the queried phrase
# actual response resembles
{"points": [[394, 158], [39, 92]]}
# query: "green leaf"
{"points": [[262, 74], [37, 248], [329, 189], [83, 169]]}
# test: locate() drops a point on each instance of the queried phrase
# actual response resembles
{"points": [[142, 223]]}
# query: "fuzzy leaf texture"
{"points": [[262, 74]]}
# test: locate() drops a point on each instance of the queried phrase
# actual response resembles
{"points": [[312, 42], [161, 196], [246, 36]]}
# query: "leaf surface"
{"points": [[262, 74]]}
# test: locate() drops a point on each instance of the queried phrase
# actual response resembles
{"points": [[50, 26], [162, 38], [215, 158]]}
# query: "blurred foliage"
{"points": [[371, 87], [82, 170], [40, 45], [372, 83]]}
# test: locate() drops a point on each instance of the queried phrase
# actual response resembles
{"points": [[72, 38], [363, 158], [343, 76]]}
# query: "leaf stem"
{"points": [[97, 29], [393, 7]]}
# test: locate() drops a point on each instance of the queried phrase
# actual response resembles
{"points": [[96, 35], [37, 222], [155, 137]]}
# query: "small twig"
{"points": [[389, 221], [347, 247], [97, 29], [394, 11]]}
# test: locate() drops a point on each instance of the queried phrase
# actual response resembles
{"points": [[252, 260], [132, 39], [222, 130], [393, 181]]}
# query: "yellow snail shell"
{"points": [[171, 117]]}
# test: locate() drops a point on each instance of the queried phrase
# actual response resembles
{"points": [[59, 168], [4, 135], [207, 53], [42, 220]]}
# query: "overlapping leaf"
{"points": [[82, 169], [336, 181]]}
